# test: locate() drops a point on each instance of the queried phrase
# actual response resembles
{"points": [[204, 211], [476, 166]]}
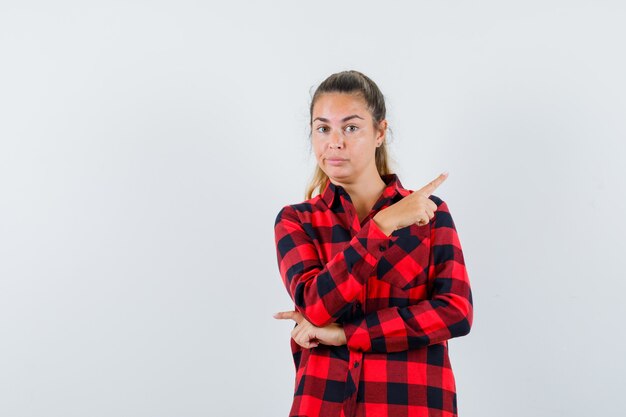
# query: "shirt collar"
{"points": [[393, 187]]}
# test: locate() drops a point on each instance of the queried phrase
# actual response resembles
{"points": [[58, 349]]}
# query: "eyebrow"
{"points": [[343, 120]]}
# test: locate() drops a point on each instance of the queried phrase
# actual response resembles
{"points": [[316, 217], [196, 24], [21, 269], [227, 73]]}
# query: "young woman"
{"points": [[375, 271]]}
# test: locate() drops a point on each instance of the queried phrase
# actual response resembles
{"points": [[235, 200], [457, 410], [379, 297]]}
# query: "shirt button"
{"points": [[358, 305], [356, 364], [381, 248]]}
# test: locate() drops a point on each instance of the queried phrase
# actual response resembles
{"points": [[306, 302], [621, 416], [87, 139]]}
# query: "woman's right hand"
{"points": [[415, 208]]}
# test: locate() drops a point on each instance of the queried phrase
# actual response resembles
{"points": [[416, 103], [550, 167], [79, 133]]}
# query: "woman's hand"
{"points": [[414, 208], [309, 336]]}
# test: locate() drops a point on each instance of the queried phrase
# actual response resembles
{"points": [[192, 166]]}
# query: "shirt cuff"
{"points": [[374, 240]]}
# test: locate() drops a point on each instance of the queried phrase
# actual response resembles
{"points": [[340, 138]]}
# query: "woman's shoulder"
{"points": [[298, 211], [436, 199]]}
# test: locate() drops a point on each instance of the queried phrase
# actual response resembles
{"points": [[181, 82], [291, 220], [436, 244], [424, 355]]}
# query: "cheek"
{"points": [[363, 153], [318, 149]]}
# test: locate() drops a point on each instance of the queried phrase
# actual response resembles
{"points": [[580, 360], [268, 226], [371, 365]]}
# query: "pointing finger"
{"points": [[284, 315], [289, 315], [429, 188]]}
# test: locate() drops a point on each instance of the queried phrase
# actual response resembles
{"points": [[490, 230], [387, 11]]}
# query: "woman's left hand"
{"points": [[309, 336]]}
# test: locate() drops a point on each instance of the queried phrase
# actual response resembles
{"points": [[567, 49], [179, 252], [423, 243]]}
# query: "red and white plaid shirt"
{"points": [[399, 299]]}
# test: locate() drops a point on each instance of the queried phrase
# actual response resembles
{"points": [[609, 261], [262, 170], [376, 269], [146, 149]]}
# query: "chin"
{"points": [[334, 171]]}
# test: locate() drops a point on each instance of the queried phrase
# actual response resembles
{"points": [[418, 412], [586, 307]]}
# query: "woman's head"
{"points": [[347, 121], [353, 82]]}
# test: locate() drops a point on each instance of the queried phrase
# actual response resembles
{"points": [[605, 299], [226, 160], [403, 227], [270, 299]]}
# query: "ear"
{"points": [[382, 128]]}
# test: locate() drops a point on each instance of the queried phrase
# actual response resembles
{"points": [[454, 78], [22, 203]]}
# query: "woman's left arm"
{"points": [[447, 314]]}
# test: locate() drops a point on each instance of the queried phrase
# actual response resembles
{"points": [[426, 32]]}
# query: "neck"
{"points": [[364, 191]]}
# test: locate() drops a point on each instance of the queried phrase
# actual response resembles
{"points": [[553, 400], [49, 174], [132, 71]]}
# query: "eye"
{"points": [[351, 126], [321, 127]]}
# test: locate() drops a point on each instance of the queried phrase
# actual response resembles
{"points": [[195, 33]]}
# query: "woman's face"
{"points": [[343, 136]]}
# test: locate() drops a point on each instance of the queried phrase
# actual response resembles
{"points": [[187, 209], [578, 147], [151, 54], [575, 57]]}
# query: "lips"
{"points": [[335, 161]]}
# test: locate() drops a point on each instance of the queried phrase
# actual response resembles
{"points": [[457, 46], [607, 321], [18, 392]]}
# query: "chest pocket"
{"points": [[405, 263]]}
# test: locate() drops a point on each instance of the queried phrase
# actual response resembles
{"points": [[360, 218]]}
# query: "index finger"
{"points": [[286, 315], [430, 188]]}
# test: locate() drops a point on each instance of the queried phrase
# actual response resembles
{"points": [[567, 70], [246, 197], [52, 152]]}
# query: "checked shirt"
{"points": [[399, 298]]}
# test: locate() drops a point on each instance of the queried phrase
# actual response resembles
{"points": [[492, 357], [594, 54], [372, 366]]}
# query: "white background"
{"points": [[147, 146]]}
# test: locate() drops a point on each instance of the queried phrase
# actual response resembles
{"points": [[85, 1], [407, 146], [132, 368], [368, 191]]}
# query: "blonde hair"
{"points": [[352, 82]]}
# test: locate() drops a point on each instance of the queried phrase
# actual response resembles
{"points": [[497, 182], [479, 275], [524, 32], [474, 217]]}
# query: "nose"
{"points": [[336, 141]]}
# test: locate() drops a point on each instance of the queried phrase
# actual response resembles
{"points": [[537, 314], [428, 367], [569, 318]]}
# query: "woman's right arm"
{"points": [[323, 292]]}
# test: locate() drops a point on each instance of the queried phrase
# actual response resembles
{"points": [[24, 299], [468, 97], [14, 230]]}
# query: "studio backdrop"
{"points": [[146, 148]]}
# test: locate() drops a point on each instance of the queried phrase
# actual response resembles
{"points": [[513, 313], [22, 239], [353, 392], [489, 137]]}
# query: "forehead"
{"points": [[338, 105]]}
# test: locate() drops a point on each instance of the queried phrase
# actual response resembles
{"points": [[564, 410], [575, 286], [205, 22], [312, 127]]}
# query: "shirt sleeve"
{"points": [[446, 314], [322, 292]]}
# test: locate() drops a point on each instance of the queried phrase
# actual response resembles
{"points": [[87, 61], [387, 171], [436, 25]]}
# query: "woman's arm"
{"points": [[323, 292], [447, 314]]}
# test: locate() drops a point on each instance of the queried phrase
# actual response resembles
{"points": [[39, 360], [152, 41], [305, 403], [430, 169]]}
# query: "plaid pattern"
{"points": [[399, 298]]}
